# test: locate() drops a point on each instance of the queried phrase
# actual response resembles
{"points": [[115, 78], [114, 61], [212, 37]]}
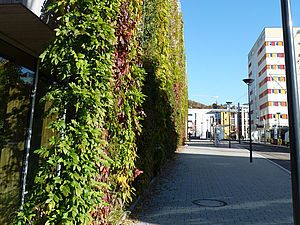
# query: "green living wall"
{"points": [[165, 87], [118, 107]]}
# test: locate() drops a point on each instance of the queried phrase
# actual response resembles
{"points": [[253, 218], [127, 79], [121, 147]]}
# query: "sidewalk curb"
{"points": [[274, 163]]}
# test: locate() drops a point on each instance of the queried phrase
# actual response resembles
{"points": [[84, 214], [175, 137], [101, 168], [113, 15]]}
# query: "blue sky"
{"points": [[218, 37]]}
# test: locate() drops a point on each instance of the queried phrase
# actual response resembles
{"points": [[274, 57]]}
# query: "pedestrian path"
{"points": [[216, 185]]}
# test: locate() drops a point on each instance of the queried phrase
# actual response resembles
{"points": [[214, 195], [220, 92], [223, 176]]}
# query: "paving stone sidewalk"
{"points": [[257, 193]]}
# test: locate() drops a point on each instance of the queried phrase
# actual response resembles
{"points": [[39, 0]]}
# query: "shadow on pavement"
{"points": [[257, 193], [266, 147], [206, 143]]}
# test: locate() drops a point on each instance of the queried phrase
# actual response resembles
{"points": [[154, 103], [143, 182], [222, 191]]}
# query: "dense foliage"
{"points": [[108, 57], [165, 87]]}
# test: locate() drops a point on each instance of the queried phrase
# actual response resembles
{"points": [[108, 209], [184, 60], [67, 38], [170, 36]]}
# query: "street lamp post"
{"points": [[229, 138], [195, 125], [201, 132], [210, 137], [207, 129], [278, 130], [265, 135], [249, 82], [257, 128], [293, 104], [239, 123]]}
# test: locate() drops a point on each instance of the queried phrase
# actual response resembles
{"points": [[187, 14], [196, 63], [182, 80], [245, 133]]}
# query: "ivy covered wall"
{"points": [[165, 87], [118, 107]]}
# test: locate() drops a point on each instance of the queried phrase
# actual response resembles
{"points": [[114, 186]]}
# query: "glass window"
{"points": [[15, 89]]}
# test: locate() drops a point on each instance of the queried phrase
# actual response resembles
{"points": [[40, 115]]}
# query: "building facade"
{"points": [[200, 123], [268, 98], [239, 121]]}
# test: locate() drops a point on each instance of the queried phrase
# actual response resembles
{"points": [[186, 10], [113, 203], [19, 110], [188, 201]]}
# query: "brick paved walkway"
{"points": [[257, 193]]}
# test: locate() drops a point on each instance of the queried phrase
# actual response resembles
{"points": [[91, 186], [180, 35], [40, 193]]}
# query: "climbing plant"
{"points": [[114, 63], [123, 123], [94, 101], [165, 87]]}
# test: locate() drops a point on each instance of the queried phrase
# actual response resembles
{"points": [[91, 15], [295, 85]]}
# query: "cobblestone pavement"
{"points": [[257, 193]]}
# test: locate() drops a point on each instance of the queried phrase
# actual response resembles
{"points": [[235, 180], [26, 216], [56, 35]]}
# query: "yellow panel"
{"points": [[46, 132]]}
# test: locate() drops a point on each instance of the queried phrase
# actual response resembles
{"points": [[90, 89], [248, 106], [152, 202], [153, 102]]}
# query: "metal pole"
{"points": [[229, 123], [195, 125], [278, 130], [28, 138], [250, 124], [229, 137], [206, 129], [265, 139], [239, 122], [293, 104], [210, 128]]}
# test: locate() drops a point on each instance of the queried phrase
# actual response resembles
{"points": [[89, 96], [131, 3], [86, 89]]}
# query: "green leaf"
{"points": [[65, 189]]}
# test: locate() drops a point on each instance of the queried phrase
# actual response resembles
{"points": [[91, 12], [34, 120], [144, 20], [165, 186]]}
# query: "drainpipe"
{"points": [[28, 136]]}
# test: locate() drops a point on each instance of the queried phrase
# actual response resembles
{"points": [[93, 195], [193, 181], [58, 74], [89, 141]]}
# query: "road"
{"points": [[279, 155]]}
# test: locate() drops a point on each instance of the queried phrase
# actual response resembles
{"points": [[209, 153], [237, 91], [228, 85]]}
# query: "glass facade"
{"points": [[20, 48], [16, 83]]}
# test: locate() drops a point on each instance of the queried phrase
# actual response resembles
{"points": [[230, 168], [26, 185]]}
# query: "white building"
{"points": [[200, 123], [266, 65]]}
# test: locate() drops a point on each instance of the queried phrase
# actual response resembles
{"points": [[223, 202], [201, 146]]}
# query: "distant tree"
{"points": [[196, 105]]}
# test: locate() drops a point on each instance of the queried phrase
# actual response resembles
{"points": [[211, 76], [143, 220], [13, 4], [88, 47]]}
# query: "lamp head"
{"points": [[248, 81]]}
